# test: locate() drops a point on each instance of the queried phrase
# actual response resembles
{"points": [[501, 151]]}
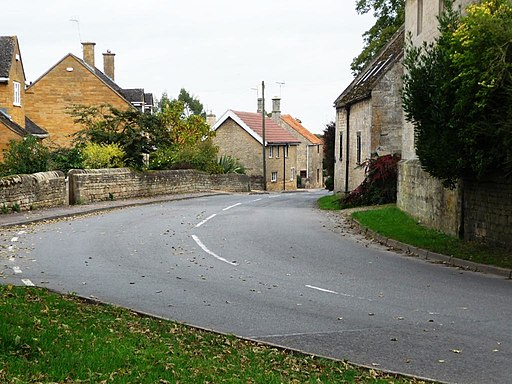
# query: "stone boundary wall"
{"points": [[38, 190], [425, 198], [86, 186], [488, 210]]}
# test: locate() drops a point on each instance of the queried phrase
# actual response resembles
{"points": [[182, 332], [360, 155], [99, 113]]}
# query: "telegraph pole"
{"points": [[263, 135]]}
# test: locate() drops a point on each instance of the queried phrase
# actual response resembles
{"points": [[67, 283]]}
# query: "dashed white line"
{"points": [[205, 220], [232, 206], [14, 239], [17, 270], [322, 289], [255, 200], [203, 247], [27, 282]]}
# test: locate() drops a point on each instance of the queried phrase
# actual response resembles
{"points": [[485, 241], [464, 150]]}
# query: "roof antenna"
{"points": [[281, 84], [75, 20]]}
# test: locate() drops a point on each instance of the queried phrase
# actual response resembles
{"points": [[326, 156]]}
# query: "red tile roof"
{"points": [[274, 134], [296, 125]]}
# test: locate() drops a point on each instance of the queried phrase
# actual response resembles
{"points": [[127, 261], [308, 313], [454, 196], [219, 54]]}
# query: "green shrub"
{"points": [[329, 183], [25, 156], [64, 159], [231, 165], [102, 156]]}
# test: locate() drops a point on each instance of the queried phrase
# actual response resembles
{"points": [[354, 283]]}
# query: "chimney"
{"points": [[108, 64], [276, 108], [211, 119], [260, 105], [88, 51]]}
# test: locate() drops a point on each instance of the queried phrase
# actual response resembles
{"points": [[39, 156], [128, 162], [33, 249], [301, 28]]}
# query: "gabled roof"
{"points": [[135, 95], [104, 78], [252, 124], [7, 48], [362, 86], [297, 126]]}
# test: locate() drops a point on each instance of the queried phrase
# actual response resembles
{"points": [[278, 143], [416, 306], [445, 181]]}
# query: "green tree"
{"points": [[25, 156], [192, 104], [329, 136], [458, 93], [389, 16]]}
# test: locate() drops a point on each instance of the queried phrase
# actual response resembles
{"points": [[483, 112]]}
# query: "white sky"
{"points": [[217, 50]]}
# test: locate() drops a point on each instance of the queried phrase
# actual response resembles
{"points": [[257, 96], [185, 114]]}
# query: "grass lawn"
{"points": [[391, 222], [329, 202], [46, 337]]}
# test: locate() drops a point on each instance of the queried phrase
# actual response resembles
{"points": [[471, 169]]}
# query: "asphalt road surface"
{"points": [[276, 269]]}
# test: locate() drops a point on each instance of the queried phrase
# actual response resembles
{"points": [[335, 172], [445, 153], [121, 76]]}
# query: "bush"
{"points": [[102, 156], [329, 183], [231, 165], [64, 159], [24, 157], [202, 156], [379, 185]]}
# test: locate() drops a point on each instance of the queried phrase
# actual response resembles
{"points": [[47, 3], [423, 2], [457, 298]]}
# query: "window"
{"points": [[270, 151], [341, 146], [419, 16], [292, 171], [358, 159], [274, 177], [317, 175], [277, 151], [318, 149], [17, 93], [285, 150]]}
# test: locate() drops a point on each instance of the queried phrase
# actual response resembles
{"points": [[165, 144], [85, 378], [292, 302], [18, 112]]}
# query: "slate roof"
{"points": [[297, 126], [252, 124], [6, 52], [362, 86], [148, 99], [6, 120], [135, 95], [34, 129]]}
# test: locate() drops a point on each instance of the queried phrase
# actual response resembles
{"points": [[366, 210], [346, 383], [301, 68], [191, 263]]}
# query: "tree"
{"points": [[329, 135], [458, 93], [192, 104], [389, 15]]}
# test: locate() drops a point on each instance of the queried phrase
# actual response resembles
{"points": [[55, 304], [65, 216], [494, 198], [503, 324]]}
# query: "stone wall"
{"points": [[39, 190], [425, 198], [86, 186], [488, 210]]}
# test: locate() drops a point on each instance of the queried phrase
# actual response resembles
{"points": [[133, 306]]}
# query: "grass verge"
{"points": [[329, 203], [396, 224], [46, 337]]}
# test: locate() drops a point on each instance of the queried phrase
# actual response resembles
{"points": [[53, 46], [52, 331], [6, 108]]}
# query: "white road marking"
{"points": [[232, 206], [203, 247], [205, 220], [273, 197], [28, 283], [14, 239], [17, 270], [322, 289], [255, 200]]}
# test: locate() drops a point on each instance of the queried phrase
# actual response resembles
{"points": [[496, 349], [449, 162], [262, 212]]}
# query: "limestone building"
{"points": [[14, 122], [74, 81], [240, 135], [310, 150], [369, 116]]}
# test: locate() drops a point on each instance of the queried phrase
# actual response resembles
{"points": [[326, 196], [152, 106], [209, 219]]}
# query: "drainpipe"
{"points": [[347, 157], [284, 168]]}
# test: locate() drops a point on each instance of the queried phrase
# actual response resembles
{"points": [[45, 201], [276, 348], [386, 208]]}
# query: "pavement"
{"points": [[41, 215]]}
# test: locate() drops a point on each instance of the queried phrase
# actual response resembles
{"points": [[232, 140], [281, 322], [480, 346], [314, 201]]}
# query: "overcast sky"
{"points": [[219, 51]]}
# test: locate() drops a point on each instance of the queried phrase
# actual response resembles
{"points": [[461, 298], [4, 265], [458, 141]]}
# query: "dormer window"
{"points": [[17, 94]]}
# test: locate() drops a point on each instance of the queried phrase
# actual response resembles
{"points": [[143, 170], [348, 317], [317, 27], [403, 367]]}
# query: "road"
{"points": [[276, 269]]}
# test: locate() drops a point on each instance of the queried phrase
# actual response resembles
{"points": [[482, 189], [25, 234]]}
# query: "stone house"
{"points": [[14, 123], [239, 135], [369, 116], [310, 151], [74, 81]]}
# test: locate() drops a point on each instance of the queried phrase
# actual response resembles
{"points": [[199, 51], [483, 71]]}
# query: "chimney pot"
{"points": [[108, 64], [88, 53], [276, 108], [260, 105]]}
